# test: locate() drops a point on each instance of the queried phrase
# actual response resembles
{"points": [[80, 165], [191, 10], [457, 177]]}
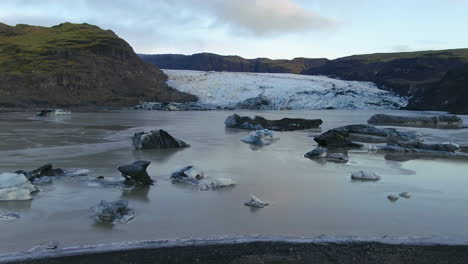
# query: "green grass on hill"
{"points": [[384, 57], [25, 49]]}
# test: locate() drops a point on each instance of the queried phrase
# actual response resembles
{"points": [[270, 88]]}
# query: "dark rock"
{"points": [[433, 121], [46, 170], [322, 154], [159, 139], [333, 139], [410, 150], [413, 146], [46, 112], [368, 130], [113, 212], [257, 123], [405, 195], [392, 197], [136, 172], [342, 137]]}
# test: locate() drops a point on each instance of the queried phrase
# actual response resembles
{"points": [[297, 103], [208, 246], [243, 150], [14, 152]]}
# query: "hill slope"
{"points": [[436, 80], [75, 64], [214, 62]]}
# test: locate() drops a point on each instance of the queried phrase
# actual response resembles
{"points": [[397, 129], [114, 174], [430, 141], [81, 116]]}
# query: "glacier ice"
{"points": [[279, 91]]}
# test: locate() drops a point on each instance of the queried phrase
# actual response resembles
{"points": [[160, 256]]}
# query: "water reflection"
{"points": [[138, 193], [156, 155], [15, 205], [103, 226]]}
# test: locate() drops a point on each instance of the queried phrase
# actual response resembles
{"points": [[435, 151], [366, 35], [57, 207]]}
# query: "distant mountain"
{"points": [[214, 62], [435, 80], [75, 64]]}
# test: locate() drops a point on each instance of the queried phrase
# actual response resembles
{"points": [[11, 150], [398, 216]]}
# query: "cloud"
{"points": [[255, 17], [265, 17], [184, 26]]}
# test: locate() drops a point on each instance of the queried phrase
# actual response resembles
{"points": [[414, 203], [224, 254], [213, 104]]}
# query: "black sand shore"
{"points": [[247, 251]]}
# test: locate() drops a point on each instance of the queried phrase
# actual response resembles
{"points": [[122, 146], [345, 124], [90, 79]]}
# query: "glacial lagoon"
{"points": [[307, 198]]}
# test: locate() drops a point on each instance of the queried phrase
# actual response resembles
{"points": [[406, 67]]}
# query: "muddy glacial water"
{"points": [[307, 198]]}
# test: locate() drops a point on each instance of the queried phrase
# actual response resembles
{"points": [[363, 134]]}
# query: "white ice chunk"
{"points": [[256, 202], [365, 176]]}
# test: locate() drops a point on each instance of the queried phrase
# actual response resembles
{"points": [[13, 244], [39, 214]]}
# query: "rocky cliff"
{"points": [[74, 65], [214, 62], [435, 80]]}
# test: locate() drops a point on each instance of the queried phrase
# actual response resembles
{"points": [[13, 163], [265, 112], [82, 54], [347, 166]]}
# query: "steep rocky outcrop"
{"points": [[435, 80], [74, 65], [215, 62]]}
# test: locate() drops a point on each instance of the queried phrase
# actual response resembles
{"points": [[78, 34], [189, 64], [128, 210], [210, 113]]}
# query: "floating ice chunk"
{"points": [[223, 182], [316, 153], [392, 197], [113, 212], [53, 112], [264, 133], [195, 173], [365, 176], [9, 216], [255, 202], [8, 180], [189, 174], [15, 186], [259, 137], [51, 245], [406, 195], [15, 194], [76, 172], [338, 157], [216, 183]]}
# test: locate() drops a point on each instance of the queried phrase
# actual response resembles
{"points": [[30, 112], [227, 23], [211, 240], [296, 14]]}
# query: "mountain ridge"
{"points": [[433, 79], [214, 62]]}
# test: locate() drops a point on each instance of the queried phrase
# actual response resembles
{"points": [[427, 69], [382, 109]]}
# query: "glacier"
{"points": [[280, 91]]}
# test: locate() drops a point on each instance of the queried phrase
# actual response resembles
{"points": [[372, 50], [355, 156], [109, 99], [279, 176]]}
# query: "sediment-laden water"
{"points": [[307, 198]]}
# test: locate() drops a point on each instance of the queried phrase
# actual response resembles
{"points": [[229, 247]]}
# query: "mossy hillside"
{"points": [[24, 49], [75, 64], [215, 62], [461, 54]]}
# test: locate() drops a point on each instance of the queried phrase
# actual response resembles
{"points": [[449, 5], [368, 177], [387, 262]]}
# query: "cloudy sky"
{"points": [[260, 28]]}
